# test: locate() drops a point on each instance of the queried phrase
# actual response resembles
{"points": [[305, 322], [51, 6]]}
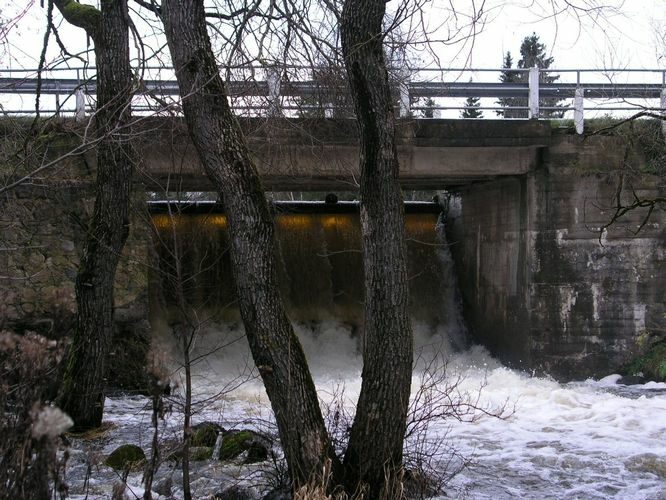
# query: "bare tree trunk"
{"points": [[82, 392], [374, 456], [216, 134]]}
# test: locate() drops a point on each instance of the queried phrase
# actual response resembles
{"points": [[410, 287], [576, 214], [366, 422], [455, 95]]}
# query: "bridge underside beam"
{"points": [[319, 155], [337, 170]]}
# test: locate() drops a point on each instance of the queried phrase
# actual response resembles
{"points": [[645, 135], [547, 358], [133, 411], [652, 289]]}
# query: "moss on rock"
{"points": [[236, 443], [126, 456], [205, 434], [652, 364], [201, 453]]}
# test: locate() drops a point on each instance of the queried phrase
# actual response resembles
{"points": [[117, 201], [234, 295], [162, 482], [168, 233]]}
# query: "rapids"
{"points": [[588, 439]]}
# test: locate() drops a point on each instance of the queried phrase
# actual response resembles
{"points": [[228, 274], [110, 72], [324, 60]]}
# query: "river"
{"points": [[587, 439]]}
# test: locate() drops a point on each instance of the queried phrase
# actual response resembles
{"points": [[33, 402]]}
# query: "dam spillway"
{"points": [[320, 268]]}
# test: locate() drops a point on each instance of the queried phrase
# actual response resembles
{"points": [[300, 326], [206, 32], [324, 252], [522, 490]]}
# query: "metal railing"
{"points": [[294, 92]]}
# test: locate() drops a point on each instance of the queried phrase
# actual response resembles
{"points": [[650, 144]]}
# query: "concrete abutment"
{"points": [[543, 287]]}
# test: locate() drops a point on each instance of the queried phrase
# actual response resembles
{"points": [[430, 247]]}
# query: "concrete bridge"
{"points": [[530, 200], [319, 155]]}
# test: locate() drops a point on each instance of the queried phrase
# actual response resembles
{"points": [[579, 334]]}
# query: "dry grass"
{"points": [[29, 425]]}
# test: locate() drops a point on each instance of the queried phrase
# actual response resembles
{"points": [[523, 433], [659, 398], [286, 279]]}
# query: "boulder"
{"points": [[164, 486], [279, 494], [651, 365], [197, 454], [234, 492], [205, 433], [126, 456], [631, 380], [237, 442], [201, 453]]}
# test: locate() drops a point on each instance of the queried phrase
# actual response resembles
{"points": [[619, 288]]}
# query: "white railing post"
{"points": [[273, 80], [57, 98], [80, 105], [533, 100], [403, 83], [662, 105], [578, 111]]}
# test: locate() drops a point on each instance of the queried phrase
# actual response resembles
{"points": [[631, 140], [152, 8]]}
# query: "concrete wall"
{"points": [[539, 288]]}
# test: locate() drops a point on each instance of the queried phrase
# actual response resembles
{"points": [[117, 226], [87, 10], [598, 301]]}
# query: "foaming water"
{"points": [[580, 440]]}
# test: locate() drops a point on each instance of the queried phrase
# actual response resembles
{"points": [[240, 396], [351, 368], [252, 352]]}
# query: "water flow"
{"points": [[450, 289], [217, 447], [590, 439], [320, 266]]}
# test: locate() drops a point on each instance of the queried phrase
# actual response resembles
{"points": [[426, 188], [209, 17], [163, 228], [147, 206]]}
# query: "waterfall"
{"points": [[217, 447], [451, 296], [591, 439], [319, 266]]}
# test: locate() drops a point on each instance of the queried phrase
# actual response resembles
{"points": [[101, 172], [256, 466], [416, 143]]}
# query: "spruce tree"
{"points": [[429, 108], [471, 108], [509, 77], [533, 53]]}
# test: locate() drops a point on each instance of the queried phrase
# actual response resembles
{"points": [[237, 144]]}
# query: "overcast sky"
{"points": [[628, 38]]}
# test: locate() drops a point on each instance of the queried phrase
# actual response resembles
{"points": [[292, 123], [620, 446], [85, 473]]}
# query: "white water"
{"points": [[592, 439]]}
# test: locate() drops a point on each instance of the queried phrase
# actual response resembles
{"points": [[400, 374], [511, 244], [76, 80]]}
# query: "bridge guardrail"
{"points": [[293, 91]]}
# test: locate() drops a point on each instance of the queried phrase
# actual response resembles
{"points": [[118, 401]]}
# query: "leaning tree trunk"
{"points": [[374, 455], [82, 391], [275, 348]]}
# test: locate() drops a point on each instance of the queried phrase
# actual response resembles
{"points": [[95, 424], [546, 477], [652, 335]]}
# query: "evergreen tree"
{"points": [[472, 108], [508, 77], [429, 105], [533, 53]]}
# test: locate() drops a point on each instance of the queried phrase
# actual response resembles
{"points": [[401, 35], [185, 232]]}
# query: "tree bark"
{"points": [[373, 459], [82, 391], [275, 348]]}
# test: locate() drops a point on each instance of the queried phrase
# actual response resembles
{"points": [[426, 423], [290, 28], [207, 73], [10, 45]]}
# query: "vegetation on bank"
{"points": [[651, 365], [645, 135]]}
